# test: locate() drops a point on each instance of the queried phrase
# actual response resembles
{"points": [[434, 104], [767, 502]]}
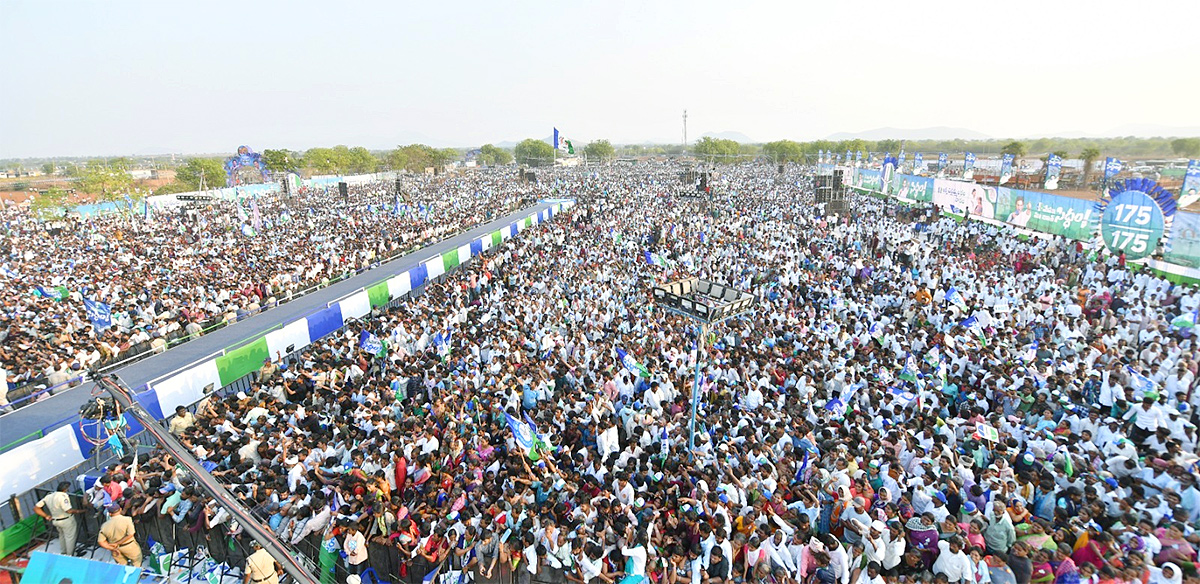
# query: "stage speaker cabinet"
{"points": [[530, 177], [703, 182], [399, 188], [287, 189], [780, 169], [824, 195], [837, 177], [344, 191]]}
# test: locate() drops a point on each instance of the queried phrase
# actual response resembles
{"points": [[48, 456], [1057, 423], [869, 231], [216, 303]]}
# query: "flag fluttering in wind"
{"points": [[955, 298], [972, 324], [1141, 383], [526, 439], [631, 364], [370, 343], [99, 313], [54, 293], [1187, 320], [909, 372], [562, 143], [1030, 351]]}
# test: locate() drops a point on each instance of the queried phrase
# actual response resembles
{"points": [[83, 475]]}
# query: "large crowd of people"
{"points": [[913, 399], [179, 272]]}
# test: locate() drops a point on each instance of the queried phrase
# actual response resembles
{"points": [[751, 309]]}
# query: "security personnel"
{"points": [[261, 568], [116, 536], [56, 508]]}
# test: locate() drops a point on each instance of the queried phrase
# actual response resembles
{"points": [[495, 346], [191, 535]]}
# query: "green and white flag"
{"points": [[1185, 320]]}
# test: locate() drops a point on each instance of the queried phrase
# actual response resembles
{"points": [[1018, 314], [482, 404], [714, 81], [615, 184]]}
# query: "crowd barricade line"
{"points": [[63, 450]]}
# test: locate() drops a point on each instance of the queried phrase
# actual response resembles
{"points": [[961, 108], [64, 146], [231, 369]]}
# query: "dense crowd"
{"points": [[913, 399], [180, 272]]}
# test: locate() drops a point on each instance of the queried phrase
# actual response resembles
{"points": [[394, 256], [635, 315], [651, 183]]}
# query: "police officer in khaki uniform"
{"points": [[261, 568], [116, 536], [56, 508]]}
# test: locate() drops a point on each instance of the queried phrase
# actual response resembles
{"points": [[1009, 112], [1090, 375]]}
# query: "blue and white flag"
{"points": [[969, 165], [1112, 167], [248, 231], [631, 364], [802, 471], [1186, 320], [942, 161], [442, 342], [820, 156], [524, 436], [7, 271], [857, 157], [396, 205], [918, 164], [955, 298], [1053, 171], [838, 405], [909, 372], [99, 313], [370, 343], [1030, 352], [902, 396], [972, 324], [876, 330], [1141, 383]]}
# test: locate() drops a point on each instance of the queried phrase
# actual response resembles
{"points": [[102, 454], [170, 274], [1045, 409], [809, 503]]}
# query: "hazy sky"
{"points": [[120, 77]]}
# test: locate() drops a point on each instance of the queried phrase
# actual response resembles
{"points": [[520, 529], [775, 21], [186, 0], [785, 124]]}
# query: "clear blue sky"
{"points": [[120, 77]]}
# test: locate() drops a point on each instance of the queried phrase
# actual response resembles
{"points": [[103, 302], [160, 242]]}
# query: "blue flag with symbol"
{"points": [[1141, 383], [954, 297], [524, 436], [631, 364], [1112, 167], [370, 343], [99, 313]]}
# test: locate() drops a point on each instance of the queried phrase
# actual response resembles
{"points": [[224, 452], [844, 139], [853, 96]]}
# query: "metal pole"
{"points": [[695, 392]]}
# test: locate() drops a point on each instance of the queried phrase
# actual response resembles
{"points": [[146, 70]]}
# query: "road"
{"points": [[57, 410]]}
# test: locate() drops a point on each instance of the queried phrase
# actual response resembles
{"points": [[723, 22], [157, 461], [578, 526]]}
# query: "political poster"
{"points": [[1183, 246], [964, 198]]}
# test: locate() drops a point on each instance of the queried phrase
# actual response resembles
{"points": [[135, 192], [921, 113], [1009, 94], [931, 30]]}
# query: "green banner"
{"points": [[497, 238], [529, 221], [242, 361], [378, 294], [450, 260]]}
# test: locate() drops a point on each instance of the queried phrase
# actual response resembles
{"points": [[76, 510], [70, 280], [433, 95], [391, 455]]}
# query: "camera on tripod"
{"points": [[98, 408]]}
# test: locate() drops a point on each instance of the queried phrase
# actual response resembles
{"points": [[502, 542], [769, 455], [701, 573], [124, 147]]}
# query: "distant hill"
{"points": [[738, 137], [934, 133]]}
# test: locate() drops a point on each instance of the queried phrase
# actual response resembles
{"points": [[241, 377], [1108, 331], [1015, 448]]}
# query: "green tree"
{"points": [[714, 150], [323, 160], [172, 188], [1089, 156], [46, 203], [359, 160], [282, 160], [532, 152], [887, 146], [445, 156], [1063, 154], [106, 180], [201, 173], [600, 150], [493, 156], [1189, 147], [1017, 149], [48, 168], [784, 151]]}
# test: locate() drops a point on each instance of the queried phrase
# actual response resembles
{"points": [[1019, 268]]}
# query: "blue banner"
{"points": [[918, 164], [1188, 193], [942, 160], [968, 165], [1053, 171], [858, 157], [99, 313]]}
